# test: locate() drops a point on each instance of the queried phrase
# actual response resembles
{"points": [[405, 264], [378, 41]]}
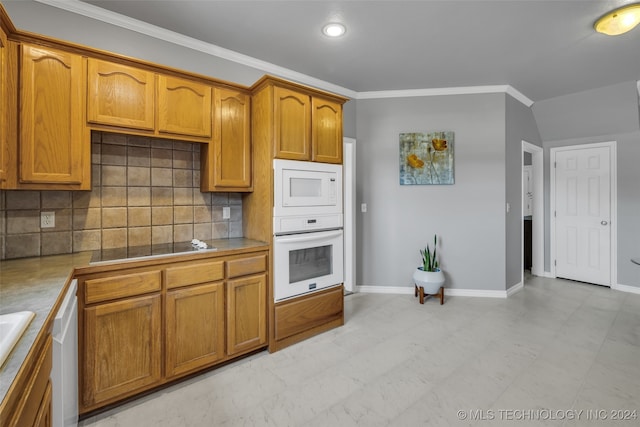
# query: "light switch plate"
{"points": [[226, 212]]}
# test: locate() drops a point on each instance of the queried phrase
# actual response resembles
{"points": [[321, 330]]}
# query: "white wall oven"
{"points": [[308, 235], [307, 262]]}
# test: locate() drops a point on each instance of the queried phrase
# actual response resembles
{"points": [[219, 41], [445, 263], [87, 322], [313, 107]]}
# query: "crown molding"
{"points": [[94, 12], [465, 90]]}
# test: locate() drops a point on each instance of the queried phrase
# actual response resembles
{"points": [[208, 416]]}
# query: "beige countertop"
{"points": [[36, 284]]}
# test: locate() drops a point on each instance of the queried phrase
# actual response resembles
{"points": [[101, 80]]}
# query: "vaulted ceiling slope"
{"points": [[542, 48]]}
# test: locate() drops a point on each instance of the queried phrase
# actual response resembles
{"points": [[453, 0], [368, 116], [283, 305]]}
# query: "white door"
{"points": [[583, 214]]}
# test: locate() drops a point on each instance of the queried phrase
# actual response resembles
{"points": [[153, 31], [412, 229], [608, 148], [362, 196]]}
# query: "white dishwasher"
{"points": [[64, 375]]}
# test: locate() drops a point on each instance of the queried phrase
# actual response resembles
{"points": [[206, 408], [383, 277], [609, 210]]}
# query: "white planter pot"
{"points": [[430, 281]]}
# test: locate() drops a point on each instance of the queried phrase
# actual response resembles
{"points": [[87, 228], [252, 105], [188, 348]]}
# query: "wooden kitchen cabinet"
{"points": [[121, 336], [4, 68], [122, 348], [194, 317], [120, 95], [129, 98], [194, 325], [34, 407], [53, 144], [326, 131], [146, 323], [246, 313], [306, 125], [184, 107], [226, 161], [292, 133], [246, 304]]}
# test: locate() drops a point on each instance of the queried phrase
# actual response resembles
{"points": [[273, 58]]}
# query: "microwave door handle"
{"points": [[308, 237]]}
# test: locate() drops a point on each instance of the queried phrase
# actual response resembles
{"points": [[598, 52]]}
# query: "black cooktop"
{"points": [[130, 252]]}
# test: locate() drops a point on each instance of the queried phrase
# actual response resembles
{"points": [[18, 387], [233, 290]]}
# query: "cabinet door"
{"points": [[292, 131], [194, 327], [53, 147], [122, 344], [227, 160], [246, 313], [120, 95], [326, 131], [184, 107], [34, 405], [4, 66], [44, 417]]}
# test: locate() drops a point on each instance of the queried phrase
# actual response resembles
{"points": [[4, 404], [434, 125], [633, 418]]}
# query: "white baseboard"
{"points": [[626, 288], [548, 274], [447, 291], [515, 289], [385, 290]]}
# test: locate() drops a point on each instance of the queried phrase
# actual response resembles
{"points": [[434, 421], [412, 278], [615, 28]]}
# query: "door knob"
{"points": [[604, 222]]}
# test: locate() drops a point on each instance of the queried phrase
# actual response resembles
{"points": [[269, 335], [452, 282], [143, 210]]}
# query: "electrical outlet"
{"points": [[47, 219], [226, 212], [363, 207]]}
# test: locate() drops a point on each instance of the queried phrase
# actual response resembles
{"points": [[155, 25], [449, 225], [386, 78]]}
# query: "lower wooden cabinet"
{"points": [[34, 406], [246, 313], [194, 325], [302, 317], [44, 417], [122, 348], [142, 327]]}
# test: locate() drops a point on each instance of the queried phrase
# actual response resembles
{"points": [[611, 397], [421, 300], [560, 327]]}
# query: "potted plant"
{"points": [[429, 278]]}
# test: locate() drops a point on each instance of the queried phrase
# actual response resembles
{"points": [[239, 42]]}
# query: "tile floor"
{"points": [[537, 358]]}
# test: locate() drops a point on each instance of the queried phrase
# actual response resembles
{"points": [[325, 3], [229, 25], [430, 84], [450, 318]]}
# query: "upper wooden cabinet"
{"points": [[326, 131], [292, 112], [184, 107], [226, 161], [299, 123], [120, 95], [54, 145], [135, 100]]}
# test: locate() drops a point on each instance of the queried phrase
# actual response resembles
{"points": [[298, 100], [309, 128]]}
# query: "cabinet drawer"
{"points": [[115, 287], [308, 312], [193, 274], [244, 266]]}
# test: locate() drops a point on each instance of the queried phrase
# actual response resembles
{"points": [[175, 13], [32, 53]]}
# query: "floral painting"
{"points": [[426, 158]]}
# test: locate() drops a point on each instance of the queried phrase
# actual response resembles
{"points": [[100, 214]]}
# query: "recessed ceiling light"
{"points": [[619, 21], [334, 29]]}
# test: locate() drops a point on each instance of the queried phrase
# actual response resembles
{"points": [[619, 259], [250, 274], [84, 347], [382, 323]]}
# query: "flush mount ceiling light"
{"points": [[619, 21], [334, 29]]}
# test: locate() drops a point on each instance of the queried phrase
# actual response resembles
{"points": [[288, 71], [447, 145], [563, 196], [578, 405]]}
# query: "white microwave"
{"points": [[307, 192]]}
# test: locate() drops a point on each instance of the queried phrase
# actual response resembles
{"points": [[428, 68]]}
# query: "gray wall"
{"points": [[520, 125], [468, 216], [605, 114]]}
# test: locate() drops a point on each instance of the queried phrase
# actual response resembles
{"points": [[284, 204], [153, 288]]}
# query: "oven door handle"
{"points": [[308, 237]]}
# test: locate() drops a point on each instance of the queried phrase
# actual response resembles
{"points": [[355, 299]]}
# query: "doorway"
{"points": [[349, 182], [583, 213], [533, 208]]}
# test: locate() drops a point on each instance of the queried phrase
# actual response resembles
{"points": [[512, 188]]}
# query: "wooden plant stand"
{"points": [[419, 291]]}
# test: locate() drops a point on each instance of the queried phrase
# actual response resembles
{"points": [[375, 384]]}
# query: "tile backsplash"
{"points": [[144, 191]]}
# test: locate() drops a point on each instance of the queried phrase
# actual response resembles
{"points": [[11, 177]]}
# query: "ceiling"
{"points": [[542, 48]]}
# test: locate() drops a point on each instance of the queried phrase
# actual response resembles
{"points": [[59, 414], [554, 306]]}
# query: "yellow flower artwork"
{"points": [[426, 158]]}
